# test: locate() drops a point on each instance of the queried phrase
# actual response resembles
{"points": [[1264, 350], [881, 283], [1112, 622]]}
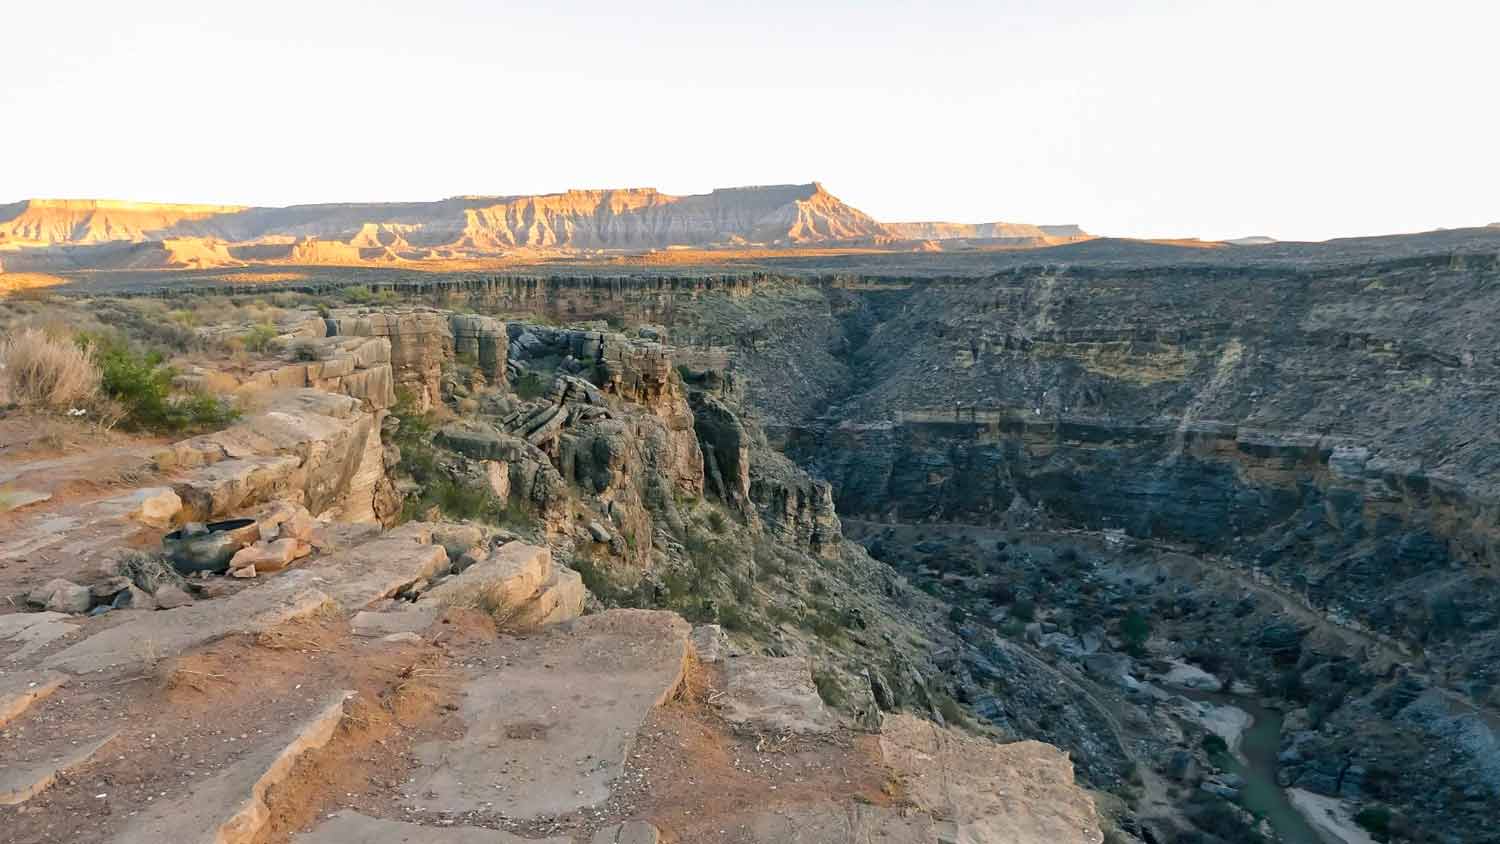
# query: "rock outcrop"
{"points": [[1021, 792], [315, 448], [420, 342]]}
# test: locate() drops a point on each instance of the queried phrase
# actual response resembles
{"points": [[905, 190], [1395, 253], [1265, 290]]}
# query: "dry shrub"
{"points": [[42, 370]]}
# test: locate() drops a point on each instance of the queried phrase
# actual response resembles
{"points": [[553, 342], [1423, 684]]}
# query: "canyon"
{"points": [[1182, 542]]}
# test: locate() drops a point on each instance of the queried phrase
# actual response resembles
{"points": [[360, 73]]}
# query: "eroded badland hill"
{"points": [[1101, 540], [60, 235]]}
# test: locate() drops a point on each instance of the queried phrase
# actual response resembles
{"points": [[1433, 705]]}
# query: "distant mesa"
{"points": [[1022, 233], [44, 235], [1252, 240]]}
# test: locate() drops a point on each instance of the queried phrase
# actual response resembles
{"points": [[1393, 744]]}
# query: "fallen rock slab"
{"points": [[348, 827], [230, 807], [517, 583], [503, 581], [559, 599], [271, 556], [774, 694], [547, 733]]}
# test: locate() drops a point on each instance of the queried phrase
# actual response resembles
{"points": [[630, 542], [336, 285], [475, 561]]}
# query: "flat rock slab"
{"points": [[853, 823], [20, 690], [406, 619], [353, 828], [1018, 793], [775, 694], [28, 771], [549, 732], [359, 576], [632, 832], [34, 630], [162, 634], [15, 499], [346, 581], [229, 807]]}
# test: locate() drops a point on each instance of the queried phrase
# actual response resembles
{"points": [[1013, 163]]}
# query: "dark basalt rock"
{"points": [[212, 549]]}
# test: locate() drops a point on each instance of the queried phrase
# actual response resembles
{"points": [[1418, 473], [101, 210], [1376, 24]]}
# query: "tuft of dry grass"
{"points": [[39, 369]]}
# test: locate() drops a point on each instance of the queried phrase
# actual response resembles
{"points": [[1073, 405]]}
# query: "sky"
{"points": [[1299, 120]]}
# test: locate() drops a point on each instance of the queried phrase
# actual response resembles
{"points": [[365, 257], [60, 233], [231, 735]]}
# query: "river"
{"points": [[1259, 746]]}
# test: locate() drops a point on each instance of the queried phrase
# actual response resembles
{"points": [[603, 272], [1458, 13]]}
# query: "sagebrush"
{"points": [[42, 370]]}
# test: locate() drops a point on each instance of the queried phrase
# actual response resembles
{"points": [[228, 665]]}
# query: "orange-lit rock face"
{"points": [[41, 235]]}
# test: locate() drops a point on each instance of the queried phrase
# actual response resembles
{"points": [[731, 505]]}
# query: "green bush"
{"points": [[598, 582], [1215, 745], [829, 689], [1023, 610], [259, 338], [732, 618], [530, 386], [1376, 820], [1221, 820], [952, 713], [308, 351], [142, 385]]}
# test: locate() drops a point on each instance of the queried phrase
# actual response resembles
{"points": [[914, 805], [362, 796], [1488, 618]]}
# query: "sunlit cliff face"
{"points": [[107, 234]]}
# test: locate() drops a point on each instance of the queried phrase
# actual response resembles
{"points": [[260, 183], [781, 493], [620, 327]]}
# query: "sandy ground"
{"points": [[1329, 816]]}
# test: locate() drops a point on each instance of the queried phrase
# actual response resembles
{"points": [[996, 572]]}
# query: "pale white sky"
{"points": [[1308, 119]]}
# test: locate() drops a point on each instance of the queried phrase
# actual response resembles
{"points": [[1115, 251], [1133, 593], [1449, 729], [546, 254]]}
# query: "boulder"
{"points": [[156, 506], [134, 598], [58, 595], [212, 550], [269, 556], [170, 597], [105, 590], [1185, 676], [457, 539]]}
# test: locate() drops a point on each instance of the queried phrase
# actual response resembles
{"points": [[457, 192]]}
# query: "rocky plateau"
{"points": [[1084, 542]]}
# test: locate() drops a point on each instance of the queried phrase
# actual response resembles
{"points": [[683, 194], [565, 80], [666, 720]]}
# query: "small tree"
{"points": [[1135, 630]]}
